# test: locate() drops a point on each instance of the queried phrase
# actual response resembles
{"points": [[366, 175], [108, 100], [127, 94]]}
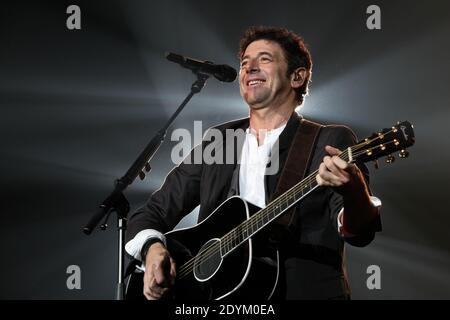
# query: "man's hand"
{"points": [[337, 173], [160, 272], [348, 180]]}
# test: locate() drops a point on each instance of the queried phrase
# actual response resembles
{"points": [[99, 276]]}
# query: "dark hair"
{"points": [[295, 51]]}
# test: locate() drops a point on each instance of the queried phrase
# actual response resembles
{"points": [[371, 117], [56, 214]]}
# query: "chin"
{"points": [[257, 106]]}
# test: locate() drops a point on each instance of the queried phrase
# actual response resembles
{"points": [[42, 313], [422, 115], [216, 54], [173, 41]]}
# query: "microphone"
{"points": [[221, 72]]}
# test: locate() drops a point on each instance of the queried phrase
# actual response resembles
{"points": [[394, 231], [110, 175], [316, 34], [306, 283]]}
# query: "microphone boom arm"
{"points": [[117, 202]]}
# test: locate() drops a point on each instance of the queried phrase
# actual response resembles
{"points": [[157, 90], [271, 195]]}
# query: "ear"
{"points": [[298, 77]]}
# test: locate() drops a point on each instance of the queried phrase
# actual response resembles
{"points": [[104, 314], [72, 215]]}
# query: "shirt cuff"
{"points": [[134, 246], [376, 202]]}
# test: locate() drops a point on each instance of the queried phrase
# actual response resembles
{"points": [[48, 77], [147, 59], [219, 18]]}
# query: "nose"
{"points": [[252, 66]]}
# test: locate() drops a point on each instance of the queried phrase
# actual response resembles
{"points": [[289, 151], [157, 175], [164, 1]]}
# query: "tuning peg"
{"points": [[147, 167], [390, 159], [375, 164], [142, 175], [403, 153]]}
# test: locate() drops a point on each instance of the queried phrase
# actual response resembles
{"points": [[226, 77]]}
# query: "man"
{"points": [[274, 75]]}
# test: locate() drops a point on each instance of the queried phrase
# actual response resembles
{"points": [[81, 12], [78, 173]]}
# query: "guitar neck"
{"points": [[275, 209]]}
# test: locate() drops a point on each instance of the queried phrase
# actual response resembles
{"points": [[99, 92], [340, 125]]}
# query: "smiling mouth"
{"points": [[253, 83]]}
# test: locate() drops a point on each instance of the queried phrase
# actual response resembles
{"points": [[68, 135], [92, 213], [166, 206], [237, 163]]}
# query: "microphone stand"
{"points": [[117, 202]]}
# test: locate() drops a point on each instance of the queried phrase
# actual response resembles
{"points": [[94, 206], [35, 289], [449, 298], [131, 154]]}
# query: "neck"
{"points": [[268, 118]]}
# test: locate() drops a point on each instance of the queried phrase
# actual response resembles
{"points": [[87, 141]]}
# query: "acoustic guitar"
{"points": [[218, 258]]}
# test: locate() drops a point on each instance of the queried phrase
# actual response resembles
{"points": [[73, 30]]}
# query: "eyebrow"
{"points": [[258, 55]]}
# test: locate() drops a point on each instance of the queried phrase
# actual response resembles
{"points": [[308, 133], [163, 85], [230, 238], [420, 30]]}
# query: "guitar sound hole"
{"points": [[208, 260]]}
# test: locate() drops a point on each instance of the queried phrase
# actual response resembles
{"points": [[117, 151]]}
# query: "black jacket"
{"points": [[312, 249]]}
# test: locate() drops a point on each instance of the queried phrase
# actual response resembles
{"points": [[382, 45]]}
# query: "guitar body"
{"points": [[204, 272]]}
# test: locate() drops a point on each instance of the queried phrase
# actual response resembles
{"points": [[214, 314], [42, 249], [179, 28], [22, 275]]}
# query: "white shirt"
{"points": [[254, 160]]}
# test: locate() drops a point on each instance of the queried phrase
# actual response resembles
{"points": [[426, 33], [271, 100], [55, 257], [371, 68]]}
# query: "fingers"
{"points": [[153, 291], [329, 179], [331, 173], [148, 283], [159, 274], [153, 288], [334, 171], [336, 166], [332, 151]]}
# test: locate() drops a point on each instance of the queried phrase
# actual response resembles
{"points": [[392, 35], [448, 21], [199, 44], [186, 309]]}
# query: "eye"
{"points": [[243, 63], [265, 59]]}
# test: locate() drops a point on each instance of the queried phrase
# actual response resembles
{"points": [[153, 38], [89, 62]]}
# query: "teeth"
{"points": [[254, 82]]}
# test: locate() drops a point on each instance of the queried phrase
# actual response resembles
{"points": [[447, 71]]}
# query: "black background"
{"points": [[77, 107]]}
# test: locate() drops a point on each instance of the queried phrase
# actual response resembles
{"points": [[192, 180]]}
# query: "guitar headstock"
{"points": [[384, 143]]}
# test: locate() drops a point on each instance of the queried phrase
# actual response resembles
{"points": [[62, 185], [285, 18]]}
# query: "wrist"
{"points": [[148, 244], [356, 187]]}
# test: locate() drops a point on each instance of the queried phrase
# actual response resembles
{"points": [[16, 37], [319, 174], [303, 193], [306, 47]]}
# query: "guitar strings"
{"points": [[232, 236]]}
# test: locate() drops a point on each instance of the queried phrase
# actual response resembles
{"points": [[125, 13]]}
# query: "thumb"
{"points": [[332, 151]]}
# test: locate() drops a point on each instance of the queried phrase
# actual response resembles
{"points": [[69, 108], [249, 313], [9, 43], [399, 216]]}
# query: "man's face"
{"points": [[262, 76]]}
